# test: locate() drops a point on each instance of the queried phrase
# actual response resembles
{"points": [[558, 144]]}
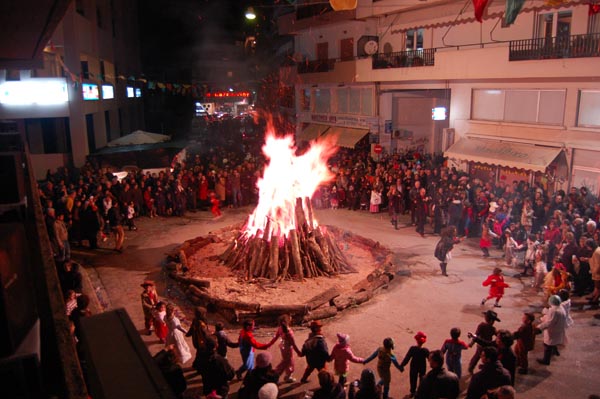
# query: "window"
{"points": [[594, 23], [107, 124], [414, 39], [48, 135], [322, 51], [322, 101], [366, 101], [305, 100], [547, 29], [356, 101], [102, 71], [520, 106], [91, 134], [13, 74], [85, 71], [587, 112]]}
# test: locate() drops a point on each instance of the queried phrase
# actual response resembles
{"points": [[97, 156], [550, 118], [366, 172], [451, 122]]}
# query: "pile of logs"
{"points": [[307, 251]]}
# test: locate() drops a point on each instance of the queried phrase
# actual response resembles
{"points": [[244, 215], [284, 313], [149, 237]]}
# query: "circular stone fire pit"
{"points": [[198, 266]]}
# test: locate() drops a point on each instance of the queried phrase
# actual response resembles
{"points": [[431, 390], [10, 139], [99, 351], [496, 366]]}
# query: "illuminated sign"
{"points": [[35, 91], [219, 94], [130, 92], [138, 92], [108, 92], [90, 91], [438, 113]]}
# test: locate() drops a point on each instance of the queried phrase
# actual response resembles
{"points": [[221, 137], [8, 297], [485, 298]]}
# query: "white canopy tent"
{"points": [[139, 137]]}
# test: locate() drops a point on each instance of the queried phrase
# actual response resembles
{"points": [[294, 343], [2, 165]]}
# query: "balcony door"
{"points": [[322, 51], [557, 24], [346, 49]]}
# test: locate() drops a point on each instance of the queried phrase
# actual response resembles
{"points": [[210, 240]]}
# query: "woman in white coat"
{"points": [[554, 326]]}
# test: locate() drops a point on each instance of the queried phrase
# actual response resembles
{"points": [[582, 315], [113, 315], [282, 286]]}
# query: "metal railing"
{"points": [[405, 59], [575, 46], [316, 66]]}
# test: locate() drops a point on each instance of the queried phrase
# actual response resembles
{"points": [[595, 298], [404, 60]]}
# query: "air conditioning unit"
{"points": [[448, 136], [367, 46]]}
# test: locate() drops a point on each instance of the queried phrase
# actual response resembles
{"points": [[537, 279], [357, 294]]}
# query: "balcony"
{"points": [[316, 66], [405, 59], [576, 46]]}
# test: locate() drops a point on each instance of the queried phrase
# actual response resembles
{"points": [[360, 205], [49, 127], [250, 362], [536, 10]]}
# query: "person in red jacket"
{"points": [[497, 285], [247, 345]]}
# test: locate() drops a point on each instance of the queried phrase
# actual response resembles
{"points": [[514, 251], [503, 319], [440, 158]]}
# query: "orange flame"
{"points": [[285, 178]]}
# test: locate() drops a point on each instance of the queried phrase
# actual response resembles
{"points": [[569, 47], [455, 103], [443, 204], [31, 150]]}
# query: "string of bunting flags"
{"points": [[183, 89]]}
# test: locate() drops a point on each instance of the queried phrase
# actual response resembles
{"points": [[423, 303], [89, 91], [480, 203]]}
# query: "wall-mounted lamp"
{"points": [[250, 14]]}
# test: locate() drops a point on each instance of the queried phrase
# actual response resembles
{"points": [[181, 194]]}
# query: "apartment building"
{"points": [[85, 93], [509, 101]]}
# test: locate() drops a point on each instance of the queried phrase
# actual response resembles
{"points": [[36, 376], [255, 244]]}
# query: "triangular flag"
{"points": [[479, 6], [513, 7]]}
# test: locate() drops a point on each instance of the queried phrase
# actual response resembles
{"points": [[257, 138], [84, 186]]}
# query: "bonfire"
{"points": [[281, 238]]}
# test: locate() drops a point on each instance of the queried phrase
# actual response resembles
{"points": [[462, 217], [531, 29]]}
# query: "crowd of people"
{"points": [[500, 352], [553, 235]]}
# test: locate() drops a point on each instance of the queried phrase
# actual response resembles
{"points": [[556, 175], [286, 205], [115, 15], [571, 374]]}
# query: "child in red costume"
{"points": [[215, 205], [160, 322], [497, 285]]}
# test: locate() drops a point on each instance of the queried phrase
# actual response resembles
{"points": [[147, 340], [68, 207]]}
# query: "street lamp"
{"points": [[250, 14]]}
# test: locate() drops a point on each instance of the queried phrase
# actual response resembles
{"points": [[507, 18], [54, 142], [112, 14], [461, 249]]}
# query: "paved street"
{"points": [[425, 301]]}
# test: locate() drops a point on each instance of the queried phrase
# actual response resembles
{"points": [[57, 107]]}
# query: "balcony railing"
{"points": [[316, 66], [575, 46], [405, 59]]}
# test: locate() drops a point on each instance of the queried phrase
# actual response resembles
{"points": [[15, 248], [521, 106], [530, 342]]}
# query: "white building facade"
{"points": [[521, 101]]}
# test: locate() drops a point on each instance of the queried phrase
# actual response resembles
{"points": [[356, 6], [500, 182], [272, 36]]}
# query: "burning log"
{"points": [[306, 251], [296, 260], [281, 238]]}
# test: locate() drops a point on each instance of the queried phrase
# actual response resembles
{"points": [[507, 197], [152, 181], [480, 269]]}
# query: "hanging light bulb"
{"points": [[250, 13]]}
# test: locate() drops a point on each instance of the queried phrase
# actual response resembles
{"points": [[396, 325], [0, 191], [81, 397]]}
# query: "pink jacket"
{"points": [[342, 356]]}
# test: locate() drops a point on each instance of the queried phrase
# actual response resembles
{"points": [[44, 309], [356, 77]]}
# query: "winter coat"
{"points": [[342, 355], [316, 352], [492, 375], [496, 284], [438, 383], [554, 326]]}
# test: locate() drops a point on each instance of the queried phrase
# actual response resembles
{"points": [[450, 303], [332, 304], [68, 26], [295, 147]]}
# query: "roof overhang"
{"points": [[346, 136], [312, 132], [504, 153]]}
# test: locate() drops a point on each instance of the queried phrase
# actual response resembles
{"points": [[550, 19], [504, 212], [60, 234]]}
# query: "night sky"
{"points": [[173, 31]]}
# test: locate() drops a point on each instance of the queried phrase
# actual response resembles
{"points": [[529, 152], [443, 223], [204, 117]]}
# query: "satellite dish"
{"points": [[371, 47]]}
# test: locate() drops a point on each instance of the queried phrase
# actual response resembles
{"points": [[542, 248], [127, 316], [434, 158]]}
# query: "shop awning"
{"points": [[347, 137], [502, 153], [311, 132]]}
